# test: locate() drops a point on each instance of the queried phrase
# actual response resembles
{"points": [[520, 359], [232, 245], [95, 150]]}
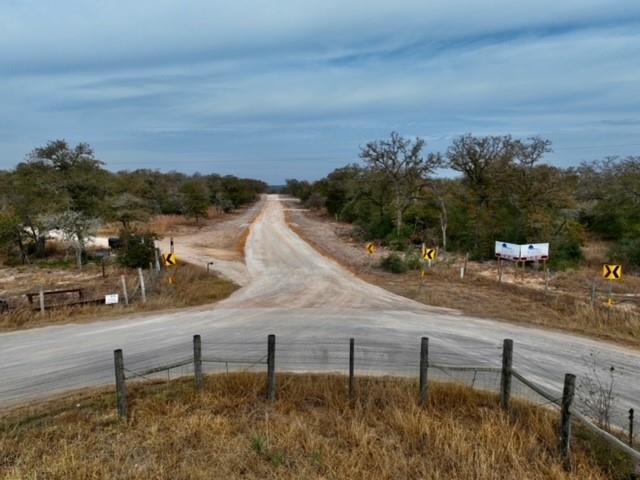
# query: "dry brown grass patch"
{"points": [[311, 431]]}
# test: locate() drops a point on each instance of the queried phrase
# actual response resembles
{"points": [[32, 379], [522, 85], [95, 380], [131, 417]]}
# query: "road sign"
{"points": [[534, 251], [612, 272], [429, 253], [169, 259], [111, 299], [371, 248]]}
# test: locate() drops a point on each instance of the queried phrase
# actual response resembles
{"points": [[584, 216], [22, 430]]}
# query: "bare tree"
{"points": [[402, 165], [76, 229], [597, 393]]}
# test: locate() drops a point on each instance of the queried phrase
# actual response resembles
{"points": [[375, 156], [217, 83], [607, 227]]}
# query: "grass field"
{"points": [[312, 431], [190, 286]]}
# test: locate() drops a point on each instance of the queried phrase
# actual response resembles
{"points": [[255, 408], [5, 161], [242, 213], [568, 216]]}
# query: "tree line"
{"points": [[66, 188], [503, 190]]}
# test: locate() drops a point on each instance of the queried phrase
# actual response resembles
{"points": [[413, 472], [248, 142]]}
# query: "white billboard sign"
{"points": [[534, 251], [111, 299], [507, 251]]}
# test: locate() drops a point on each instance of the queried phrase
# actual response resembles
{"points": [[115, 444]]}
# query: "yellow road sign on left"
{"points": [[169, 259], [429, 253], [371, 248]]}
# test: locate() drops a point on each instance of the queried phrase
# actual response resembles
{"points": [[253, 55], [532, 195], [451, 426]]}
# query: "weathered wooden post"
{"points": [[352, 380], [156, 256], [271, 367], [631, 427], [143, 292], [121, 386], [505, 377], [424, 368], [124, 289], [565, 418], [197, 362], [41, 299]]}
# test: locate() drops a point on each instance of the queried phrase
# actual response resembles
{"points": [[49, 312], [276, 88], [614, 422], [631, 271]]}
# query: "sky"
{"points": [[292, 88]]}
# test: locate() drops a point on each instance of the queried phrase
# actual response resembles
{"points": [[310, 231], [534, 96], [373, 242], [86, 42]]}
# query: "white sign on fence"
{"points": [[111, 299], [507, 251], [534, 251]]}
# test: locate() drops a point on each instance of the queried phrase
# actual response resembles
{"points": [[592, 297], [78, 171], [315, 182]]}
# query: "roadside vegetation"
{"points": [[64, 191], [312, 430], [182, 286], [57, 202], [503, 191]]}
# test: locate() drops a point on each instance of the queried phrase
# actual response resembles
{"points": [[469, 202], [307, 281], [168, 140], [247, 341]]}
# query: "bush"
{"points": [[394, 263], [137, 249], [627, 252]]}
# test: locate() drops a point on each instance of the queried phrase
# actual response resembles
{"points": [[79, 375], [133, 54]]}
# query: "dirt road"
{"points": [[313, 305]]}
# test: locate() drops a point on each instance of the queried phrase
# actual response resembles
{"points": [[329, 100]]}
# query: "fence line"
{"points": [[567, 408]]}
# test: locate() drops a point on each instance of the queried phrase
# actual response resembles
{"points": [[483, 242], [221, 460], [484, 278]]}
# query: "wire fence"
{"points": [[487, 373], [374, 359]]}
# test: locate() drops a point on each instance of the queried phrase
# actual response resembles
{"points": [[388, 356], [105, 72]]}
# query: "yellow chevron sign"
{"points": [[371, 248], [612, 272], [429, 253], [169, 259]]}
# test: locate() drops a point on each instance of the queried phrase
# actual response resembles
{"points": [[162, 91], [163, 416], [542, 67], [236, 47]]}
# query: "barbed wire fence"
{"points": [[351, 358]]}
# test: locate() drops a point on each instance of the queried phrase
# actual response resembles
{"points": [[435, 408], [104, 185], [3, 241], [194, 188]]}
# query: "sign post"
{"points": [[612, 273]]}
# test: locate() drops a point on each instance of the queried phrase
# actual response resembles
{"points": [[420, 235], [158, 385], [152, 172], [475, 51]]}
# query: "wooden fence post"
{"points": [[593, 293], [352, 380], [565, 418], [121, 387], [197, 362], [271, 367], [143, 292], [631, 427], [505, 377], [424, 368], [41, 299], [124, 289]]}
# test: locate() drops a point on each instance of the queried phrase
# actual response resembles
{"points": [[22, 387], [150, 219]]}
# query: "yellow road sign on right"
{"points": [[611, 272], [371, 248]]}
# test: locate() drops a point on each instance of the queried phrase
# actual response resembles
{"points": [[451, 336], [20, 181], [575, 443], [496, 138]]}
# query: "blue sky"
{"points": [[278, 89]]}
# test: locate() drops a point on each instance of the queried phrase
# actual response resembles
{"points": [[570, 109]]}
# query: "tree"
{"points": [[137, 249], [12, 233], [76, 228], [195, 199], [401, 164], [126, 208]]}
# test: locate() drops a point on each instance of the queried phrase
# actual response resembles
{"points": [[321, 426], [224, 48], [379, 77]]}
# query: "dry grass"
{"points": [[567, 307], [311, 431], [484, 297], [189, 286]]}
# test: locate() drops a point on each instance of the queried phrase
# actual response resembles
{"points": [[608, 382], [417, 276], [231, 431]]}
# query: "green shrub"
{"points": [[394, 263], [627, 252], [137, 250]]}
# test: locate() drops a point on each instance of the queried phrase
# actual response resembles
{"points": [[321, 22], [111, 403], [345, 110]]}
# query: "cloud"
{"points": [[293, 88]]}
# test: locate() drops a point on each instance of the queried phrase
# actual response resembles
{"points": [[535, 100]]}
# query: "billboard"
{"points": [[534, 251], [527, 252], [507, 251]]}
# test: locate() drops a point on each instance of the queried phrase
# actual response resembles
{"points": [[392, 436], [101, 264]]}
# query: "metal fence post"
{"points": [[121, 387], [505, 377], [424, 368], [271, 367], [197, 362], [352, 380], [565, 418], [631, 427]]}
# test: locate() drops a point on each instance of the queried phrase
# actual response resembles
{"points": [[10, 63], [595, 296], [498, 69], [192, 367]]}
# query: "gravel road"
{"points": [[313, 305]]}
